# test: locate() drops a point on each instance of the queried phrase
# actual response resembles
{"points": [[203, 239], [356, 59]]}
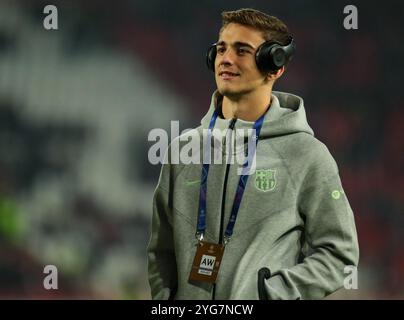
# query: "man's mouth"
{"points": [[227, 75]]}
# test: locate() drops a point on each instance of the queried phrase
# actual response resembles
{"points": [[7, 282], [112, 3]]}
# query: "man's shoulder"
{"points": [[304, 148], [302, 143]]}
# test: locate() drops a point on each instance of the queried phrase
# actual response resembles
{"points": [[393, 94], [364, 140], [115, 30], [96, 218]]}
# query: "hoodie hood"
{"points": [[286, 115]]}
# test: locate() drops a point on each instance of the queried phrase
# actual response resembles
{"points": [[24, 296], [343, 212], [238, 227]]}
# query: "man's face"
{"points": [[236, 72]]}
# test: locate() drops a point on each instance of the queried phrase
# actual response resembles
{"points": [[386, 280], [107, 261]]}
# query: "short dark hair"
{"points": [[271, 27]]}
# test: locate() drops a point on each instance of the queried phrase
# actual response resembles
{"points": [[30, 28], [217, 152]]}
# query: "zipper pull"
{"points": [[232, 123], [231, 127]]}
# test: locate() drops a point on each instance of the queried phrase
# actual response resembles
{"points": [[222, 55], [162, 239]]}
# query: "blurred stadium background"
{"points": [[76, 106]]}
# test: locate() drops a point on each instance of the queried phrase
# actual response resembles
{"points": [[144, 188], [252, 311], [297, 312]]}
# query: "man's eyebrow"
{"points": [[236, 44]]}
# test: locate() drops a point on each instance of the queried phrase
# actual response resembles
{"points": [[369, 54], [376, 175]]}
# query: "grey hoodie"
{"points": [[296, 221]]}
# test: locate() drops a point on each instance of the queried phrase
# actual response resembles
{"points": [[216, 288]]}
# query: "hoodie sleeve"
{"points": [[162, 266], [330, 233]]}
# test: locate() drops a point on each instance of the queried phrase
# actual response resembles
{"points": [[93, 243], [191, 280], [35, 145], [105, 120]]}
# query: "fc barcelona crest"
{"points": [[265, 179]]}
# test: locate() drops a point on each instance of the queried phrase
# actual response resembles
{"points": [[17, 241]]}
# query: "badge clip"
{"points": [[199, 236]]}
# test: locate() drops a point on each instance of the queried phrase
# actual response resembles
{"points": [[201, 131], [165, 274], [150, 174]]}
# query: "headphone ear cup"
{"points": [[278, 55], [211, 57], [270, 57]]}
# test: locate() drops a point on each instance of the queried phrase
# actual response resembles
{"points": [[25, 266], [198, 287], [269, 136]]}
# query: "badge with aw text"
{"points": [[265, 179], [206, 262]]}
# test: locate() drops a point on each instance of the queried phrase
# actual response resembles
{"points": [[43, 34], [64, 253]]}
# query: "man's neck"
{"points": [[247, 108]]}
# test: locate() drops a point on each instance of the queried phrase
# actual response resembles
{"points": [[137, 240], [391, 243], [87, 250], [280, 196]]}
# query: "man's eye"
{"points": [[242, 51], [221, 50]]}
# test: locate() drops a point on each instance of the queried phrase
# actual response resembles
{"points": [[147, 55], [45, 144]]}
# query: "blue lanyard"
{"points": [[201, 227]]}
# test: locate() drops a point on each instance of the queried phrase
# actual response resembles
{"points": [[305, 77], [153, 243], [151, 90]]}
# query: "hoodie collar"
{"points": [[286, 115]]}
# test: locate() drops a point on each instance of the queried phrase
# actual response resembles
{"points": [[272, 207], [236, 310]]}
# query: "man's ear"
{"points": [[276, 75]]}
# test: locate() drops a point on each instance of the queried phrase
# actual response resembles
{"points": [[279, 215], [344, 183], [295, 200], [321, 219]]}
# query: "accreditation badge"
{"points": [[206, 262]]}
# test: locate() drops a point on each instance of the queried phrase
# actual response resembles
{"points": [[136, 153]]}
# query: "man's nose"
{"points": [[227, 58]]}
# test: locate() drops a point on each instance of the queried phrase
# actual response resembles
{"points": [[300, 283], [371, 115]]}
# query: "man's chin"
{"points": [[230, 93]]}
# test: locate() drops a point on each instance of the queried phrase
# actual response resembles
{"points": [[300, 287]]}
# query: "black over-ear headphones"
{"points": [[270, 56]]}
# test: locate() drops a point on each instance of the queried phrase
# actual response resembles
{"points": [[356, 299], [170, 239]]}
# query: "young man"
{"points": [[286, 231]]}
